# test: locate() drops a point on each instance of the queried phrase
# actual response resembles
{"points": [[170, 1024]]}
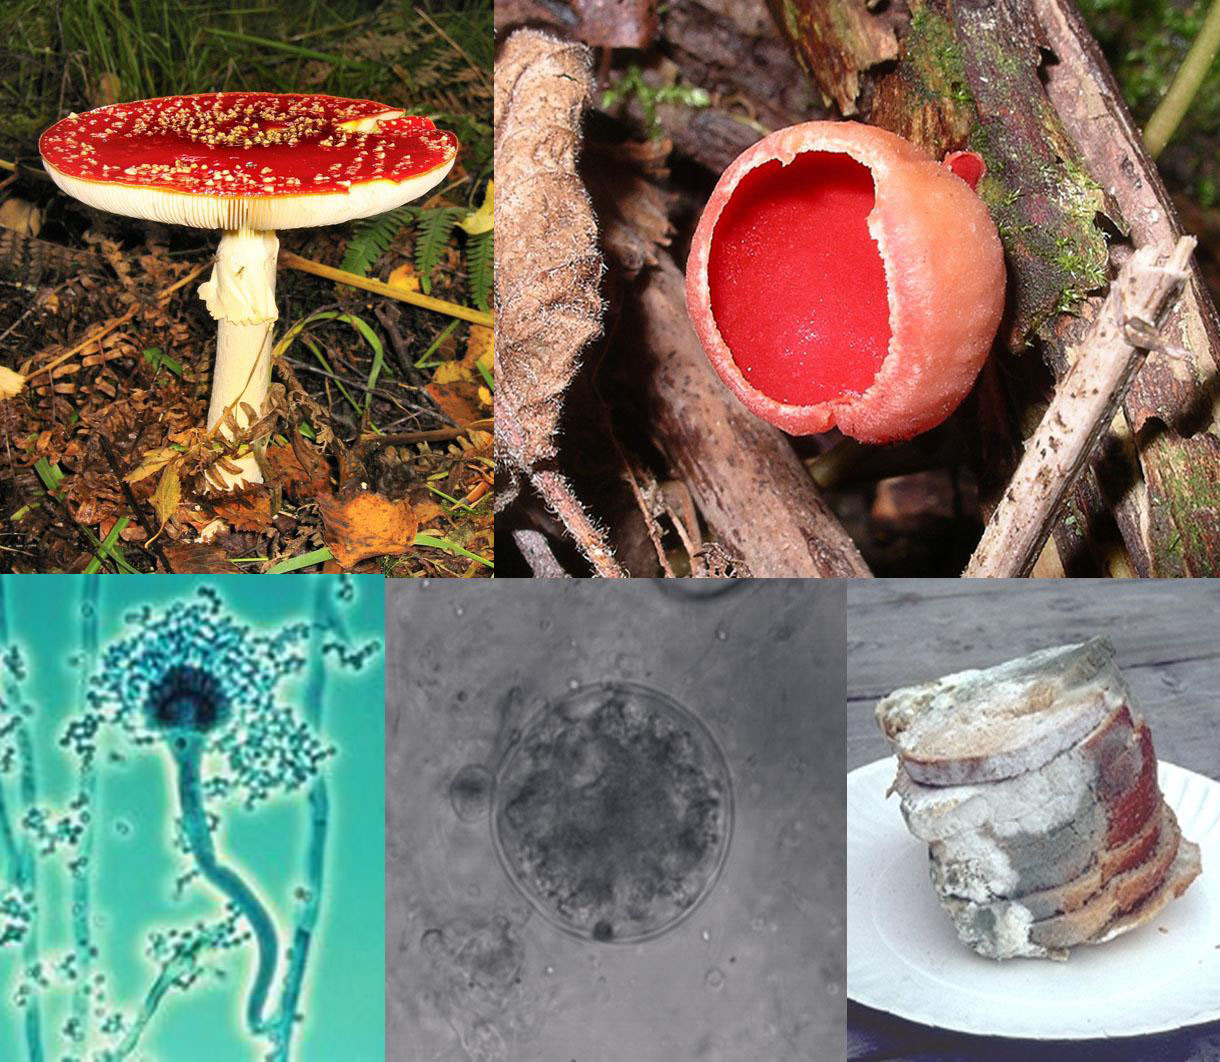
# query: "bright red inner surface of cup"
{"points": [[797, 284]]}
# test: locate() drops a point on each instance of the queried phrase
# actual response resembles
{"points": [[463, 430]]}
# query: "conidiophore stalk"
{"points": [[326, 621], [188, 753], [82, 873]]}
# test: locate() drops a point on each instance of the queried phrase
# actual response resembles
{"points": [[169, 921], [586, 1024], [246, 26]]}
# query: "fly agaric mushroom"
{"points": [[841, 277], [248, 163]]}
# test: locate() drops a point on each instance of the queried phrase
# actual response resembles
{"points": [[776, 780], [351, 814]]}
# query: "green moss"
{"points": [[1185, 506], [633, 86], [933, 51]]}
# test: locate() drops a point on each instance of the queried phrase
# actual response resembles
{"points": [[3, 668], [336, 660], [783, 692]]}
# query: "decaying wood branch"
{"points": [[1084, 404], [745, 477], [837, 40], [1168, 516]]}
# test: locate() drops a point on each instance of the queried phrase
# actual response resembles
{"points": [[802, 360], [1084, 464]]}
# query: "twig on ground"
{"points": [[1081, 410], [406, 438], [646, 511], [537, 553], [427, 302]]}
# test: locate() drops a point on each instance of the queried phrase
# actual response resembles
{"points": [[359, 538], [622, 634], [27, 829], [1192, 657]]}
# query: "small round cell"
{"points": [[613, 813], [470, 792]]}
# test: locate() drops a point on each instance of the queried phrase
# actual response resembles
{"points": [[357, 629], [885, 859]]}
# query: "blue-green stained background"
{"points": [[343, 1001]]}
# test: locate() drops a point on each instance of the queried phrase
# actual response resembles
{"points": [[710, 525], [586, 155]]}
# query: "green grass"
{"points": [[1145, 42], [55, 56]]}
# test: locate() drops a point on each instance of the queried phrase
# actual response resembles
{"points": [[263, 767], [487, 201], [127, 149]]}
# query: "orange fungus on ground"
{"points": [[841, 277]]}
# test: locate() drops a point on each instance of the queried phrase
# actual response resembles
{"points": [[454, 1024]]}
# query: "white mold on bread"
{"points": [[1003, 721], [1034, 785]]}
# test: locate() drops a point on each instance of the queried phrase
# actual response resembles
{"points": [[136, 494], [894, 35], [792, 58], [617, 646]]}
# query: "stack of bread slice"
{"points": [[1034, 784]]}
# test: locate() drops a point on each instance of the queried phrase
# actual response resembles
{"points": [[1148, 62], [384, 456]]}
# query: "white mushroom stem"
{"points": [[240, 294]]}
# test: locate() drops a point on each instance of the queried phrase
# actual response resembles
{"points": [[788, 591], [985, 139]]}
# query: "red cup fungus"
{"points": [[839, 277]]}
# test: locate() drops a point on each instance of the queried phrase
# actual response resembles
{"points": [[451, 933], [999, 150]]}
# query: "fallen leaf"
{"points": [[299, 469], [448, 372], [548, 276], [246, 510], [479, 221], [23, 218], [405, 276], [455, 388], [11, 383], [154, 461], [165, 498], [481, 345], [364, 524], [197, 557], [460, 401]]}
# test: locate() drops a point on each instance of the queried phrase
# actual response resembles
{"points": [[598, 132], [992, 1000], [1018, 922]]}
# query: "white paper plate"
{"points": [[903, 956]]}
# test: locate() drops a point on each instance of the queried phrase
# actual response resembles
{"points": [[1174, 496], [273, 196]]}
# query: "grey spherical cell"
{"points": [[613, 813], [470, 792]]}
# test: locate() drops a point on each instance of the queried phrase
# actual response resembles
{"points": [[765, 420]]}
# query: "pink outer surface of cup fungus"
{"points": [[839, 277]]}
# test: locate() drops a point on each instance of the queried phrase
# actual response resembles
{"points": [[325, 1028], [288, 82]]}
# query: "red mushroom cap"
{"points": [[259, 159], [841, 277]]}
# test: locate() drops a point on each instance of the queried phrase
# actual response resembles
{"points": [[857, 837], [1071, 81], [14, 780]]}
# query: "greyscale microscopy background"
{"points": [[473, 970]]}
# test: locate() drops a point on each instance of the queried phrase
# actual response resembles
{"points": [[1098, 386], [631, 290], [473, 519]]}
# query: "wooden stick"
{"points": [[537, 553], [307, 265], [1081, 410], [405, 438]]}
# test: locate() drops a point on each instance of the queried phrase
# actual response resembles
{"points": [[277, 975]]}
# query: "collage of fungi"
{"points": [[803, 317]]}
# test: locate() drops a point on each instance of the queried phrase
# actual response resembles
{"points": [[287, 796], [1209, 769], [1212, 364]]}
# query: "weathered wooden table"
{"points": [[1167, 637]]}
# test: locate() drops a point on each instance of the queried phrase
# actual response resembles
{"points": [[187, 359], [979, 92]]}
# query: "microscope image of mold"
{"points": [[613, 827], [185, 869]]}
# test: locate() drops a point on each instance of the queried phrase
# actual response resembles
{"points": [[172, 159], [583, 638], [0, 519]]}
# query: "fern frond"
{"points": [[371, 236], [480, 267], [435, 225]]}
